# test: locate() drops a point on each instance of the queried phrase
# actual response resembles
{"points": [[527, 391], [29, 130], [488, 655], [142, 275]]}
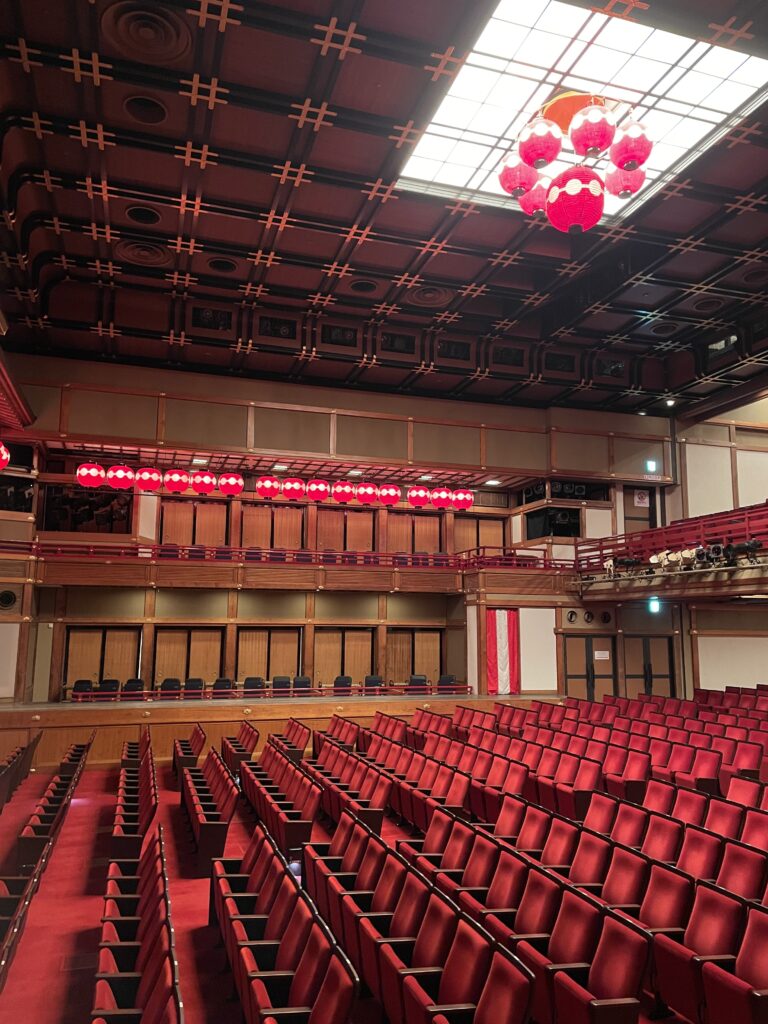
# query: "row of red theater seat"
{"points": [[137, 979], [136, 807], [284, 796], [14, 768], [350, 783], [285, 963], [424, 722], [343, 730], [187, 751], [209, 797], [236, 749], [733, 696], [133, 750], [466, 717], [382, 725], [293, 742], [418, 954]]}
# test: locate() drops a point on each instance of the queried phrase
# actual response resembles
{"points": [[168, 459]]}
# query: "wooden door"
{"points": [[590, 666], [84, 654], [400, 532], [288, 528], [121, 654], [177, 522], [464, 533], [284, 652], [171, 649], [399, 655], [204, 654], [328, 652], [358, 653], [359, 530], [649, 665], [426, 533], [490, 533], [330, 529], [252, 646], [211, 524], [639, 509], [257, 526], [426, 653]]}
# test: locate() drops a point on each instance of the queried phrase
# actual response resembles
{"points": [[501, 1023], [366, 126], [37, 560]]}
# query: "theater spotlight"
{"points": [[688, 558], [733, 552], [610, 567], [715, 552], [660, 560], [628, 563], [702, 556]]}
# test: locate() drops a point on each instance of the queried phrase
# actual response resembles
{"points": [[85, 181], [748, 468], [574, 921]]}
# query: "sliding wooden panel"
{"points": [[178, 521], [426, 653], [205, 654], [211, 524], [327, 655], [399, 654], [491, 533], [257, 528], [426, 533], [283, 652], [358, 653], [171, 654], [288, 528], [464, 533], [400, 531], [252, 653], [121, 654], [330, 529], [84, 654], [359, 531]]}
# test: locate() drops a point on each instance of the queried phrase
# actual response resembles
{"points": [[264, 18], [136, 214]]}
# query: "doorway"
{"points": [[649, 665], [589, 666]]}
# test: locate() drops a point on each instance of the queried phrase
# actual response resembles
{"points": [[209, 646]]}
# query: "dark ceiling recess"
{"points": [[263, 138]]}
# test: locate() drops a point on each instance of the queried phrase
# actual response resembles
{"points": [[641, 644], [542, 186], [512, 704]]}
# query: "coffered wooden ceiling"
{"points": [[212, 185]]}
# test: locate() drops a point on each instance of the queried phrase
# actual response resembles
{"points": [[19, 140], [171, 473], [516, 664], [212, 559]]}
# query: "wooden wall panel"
{"points": [[464, 533], [205, 654], [211, 524], [171, 654], [426, 533], [491, 533], [328, 644], [359, 531], [283, 652], [358, 653], [399, 654], [330, 529], [426, 653], [121, 654], [400, 531], [83, 654], [288, 527], [252, 647], [177, 522], [257, 526]]}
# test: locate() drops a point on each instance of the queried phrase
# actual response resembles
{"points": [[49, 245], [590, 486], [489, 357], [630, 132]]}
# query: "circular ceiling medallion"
{"points": [[145, 109], [757, 275], [142, 215], [363, 286], [147, 254], [707, 305], [664, 330], [146, 32], [222, 265], [429, 295]]}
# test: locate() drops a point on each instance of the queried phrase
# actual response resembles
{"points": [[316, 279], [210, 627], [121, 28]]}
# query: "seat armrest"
{"points": [[455, 1013], [724, 960], [427, 977], [538, 940]]}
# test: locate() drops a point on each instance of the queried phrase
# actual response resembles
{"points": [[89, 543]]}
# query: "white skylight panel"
{"points": [[685, 92]]}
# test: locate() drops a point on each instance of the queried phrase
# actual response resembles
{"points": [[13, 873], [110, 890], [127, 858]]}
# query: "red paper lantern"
{"points": [[231, 484], [389, 494], [592, 130], [441, 497], [120, 477], [540, 142], [149, 479], [267, 486], [203, 482], [418, 496], [517, 178], [343, 491], [367, 494], [318, 490], [5, 456], [462, 499], [293, 488], [534, 203], [176, 480], [575, 200], [631, 147], [90, 474], [623, 183]]}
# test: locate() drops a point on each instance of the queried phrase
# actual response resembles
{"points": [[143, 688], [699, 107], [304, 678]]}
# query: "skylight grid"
{"points": [[685, 91]]}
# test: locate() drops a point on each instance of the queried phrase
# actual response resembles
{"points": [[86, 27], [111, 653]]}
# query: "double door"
{"points": [[590, 666], [649, 665]]}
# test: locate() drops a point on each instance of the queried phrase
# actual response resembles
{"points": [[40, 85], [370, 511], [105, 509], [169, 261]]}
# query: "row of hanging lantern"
{"points": [[574, 200], [5, 456], [123, 478]]}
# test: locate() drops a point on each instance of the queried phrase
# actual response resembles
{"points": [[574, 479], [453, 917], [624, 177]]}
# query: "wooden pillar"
{"points": [[27, 636], [58, 645], [148, 638], [230, 636], [381, 638], [482, 675], [235, 524], [310, 528], [449, 540], [308, 647]]}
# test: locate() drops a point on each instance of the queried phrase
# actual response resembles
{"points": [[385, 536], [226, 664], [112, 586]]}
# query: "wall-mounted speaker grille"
{"points": [[8, 600]]}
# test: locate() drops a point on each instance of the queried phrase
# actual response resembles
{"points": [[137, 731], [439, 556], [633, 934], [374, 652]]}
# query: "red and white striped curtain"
{"points": [[502, 650]]}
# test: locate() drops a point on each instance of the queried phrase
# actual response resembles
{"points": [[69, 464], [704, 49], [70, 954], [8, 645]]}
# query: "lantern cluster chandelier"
{"points": [[149, 479], [574, 200]]}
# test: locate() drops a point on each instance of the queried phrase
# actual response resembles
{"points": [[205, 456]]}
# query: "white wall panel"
{"points": [[538, 649], [732, 661]]}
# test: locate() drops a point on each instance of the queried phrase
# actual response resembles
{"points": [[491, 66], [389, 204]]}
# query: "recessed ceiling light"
{"points": [[198, 461], [493, 483], [355, 472], [670, 402], [425, 476], [279, 467], [642, 412]]}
